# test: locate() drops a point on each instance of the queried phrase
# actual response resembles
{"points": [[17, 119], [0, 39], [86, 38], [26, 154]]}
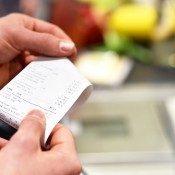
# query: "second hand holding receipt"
{"points": [[54, 86]]}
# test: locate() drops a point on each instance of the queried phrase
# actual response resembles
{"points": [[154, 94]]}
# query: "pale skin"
{"points": [[22, 39]]}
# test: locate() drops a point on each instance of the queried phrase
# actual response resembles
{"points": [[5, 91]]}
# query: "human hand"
{"points": [[22, 155], [23, 38]]}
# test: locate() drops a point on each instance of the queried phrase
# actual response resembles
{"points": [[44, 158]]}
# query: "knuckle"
{"points": [[12, 31], [53, 28], [47, 37], [14, 15], [64, 128]]}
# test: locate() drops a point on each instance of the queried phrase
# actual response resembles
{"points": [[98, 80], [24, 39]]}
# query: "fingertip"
{"points": [[66, 46], [74, 55], [61, 138], [37, 113], [30, 58]]}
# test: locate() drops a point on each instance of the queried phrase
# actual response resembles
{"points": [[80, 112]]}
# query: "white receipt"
{"points": [[54, 86]]}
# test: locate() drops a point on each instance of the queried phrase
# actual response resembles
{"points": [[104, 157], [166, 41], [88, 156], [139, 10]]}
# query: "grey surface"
{"points": [[126, 124], [142, 73]]}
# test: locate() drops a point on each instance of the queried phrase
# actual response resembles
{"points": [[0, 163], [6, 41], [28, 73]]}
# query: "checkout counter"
{"points": [[129, 130]]}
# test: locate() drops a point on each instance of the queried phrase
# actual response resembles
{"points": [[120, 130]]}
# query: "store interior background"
{"points": [[126, 48]]}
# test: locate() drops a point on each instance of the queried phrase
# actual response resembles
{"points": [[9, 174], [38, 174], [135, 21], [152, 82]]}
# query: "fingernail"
{"points": [[37, 113], [66, 45]]}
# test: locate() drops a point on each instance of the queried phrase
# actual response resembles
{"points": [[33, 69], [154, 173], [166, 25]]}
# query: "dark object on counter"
{"points": [[6, 131]]}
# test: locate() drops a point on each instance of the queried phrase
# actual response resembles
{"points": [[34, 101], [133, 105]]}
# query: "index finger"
{"points": [[61, 139], [63, 151], [46, 27]]}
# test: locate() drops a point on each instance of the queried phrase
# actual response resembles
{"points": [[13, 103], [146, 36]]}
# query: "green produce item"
{"points": [[124, 45]]}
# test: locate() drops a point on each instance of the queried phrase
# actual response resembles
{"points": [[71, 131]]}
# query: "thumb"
{"points": [[30, 130]]}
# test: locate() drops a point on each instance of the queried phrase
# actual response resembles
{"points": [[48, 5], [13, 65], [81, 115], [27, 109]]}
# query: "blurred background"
{"points": [[126, 48]]}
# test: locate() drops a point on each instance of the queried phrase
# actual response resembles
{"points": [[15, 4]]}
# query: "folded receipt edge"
{"points": [[81, 97]]}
